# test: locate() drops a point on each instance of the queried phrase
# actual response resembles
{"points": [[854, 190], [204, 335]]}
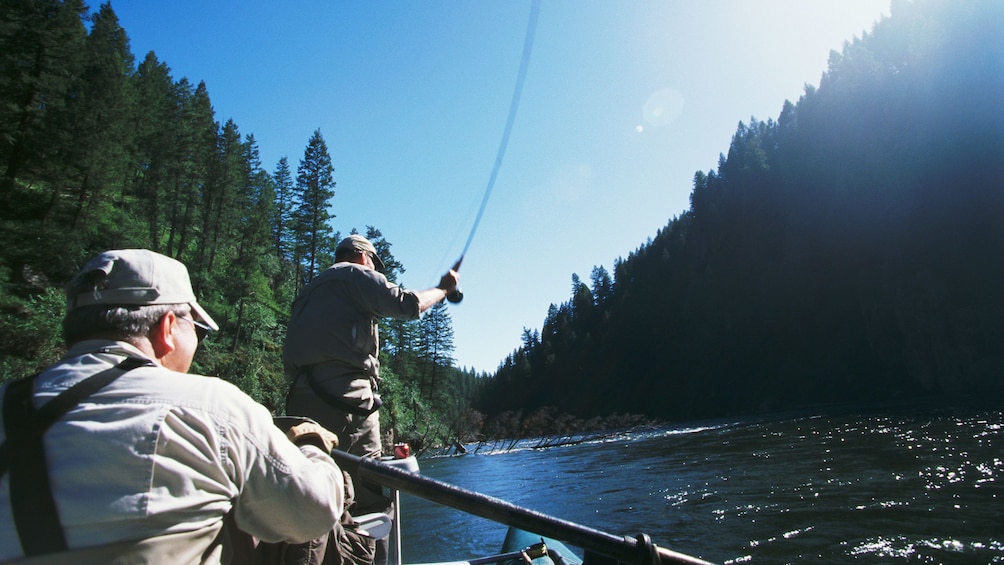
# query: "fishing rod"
{"points": [[531, 31]]}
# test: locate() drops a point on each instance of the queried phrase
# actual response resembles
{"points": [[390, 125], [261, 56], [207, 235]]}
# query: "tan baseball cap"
{"points": [[137, 277], [360, 244]]}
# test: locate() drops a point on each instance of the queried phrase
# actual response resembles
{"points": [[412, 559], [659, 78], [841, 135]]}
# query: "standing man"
{"points": [[331, 354], [117, 455], [332, 345]]}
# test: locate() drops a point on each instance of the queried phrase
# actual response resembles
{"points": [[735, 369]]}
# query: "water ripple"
{"points": [[869, 487]]}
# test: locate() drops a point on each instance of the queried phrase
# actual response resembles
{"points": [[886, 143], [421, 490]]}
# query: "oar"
{"points": [[623, 549]]}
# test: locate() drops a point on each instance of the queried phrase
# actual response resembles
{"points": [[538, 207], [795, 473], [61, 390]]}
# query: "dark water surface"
{"points": [[879, 487]]}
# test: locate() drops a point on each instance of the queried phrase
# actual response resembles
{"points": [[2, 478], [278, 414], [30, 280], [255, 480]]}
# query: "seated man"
{"points": [[143, 462]]}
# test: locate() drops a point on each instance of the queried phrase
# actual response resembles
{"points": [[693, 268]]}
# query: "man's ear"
{"points": [[162, 336]]}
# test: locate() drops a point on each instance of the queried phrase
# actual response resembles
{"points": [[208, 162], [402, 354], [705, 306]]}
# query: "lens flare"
{"points": [[663, 107]]}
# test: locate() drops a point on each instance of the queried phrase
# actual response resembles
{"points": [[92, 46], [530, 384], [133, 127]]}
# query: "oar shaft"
{"points": [[623, 549]]}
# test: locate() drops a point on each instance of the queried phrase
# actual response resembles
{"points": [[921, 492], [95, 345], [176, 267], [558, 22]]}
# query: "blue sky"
{"points": [[623, 102]]}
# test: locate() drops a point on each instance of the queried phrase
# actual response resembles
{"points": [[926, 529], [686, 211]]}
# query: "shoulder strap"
{"points": [[32, 503]]}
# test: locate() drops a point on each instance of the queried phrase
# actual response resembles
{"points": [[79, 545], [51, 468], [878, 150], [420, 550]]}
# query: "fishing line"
{"points": [[531, 31]]}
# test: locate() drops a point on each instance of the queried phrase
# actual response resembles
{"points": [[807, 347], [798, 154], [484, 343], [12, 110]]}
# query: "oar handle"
{"points": [[624, 549]]}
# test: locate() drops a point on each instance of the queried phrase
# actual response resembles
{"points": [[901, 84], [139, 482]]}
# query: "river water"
{"points": [[885, 486]]}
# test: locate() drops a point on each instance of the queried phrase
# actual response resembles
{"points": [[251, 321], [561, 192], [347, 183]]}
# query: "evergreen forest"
{"points": [[848, 251]]}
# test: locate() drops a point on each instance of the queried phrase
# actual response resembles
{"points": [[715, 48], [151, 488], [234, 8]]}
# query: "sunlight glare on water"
{"points": [[878, 487]]}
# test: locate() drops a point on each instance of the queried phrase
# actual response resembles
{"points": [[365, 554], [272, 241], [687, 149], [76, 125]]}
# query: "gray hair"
{"points": [[125, 323]]}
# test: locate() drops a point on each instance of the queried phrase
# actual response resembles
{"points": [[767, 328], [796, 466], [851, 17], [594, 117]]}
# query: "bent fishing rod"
{"points": [[531, 30]]}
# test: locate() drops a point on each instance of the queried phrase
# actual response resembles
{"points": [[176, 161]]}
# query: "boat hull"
{"points": [[517, 540]]}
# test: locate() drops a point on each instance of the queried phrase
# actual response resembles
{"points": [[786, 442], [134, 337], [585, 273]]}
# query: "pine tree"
{"points": [[221, 211], [285, 205], [100, 117], [436, 350], [156, 134], [41, 53], [197, 147], [603, 286], [247, 286], [316, 186]]}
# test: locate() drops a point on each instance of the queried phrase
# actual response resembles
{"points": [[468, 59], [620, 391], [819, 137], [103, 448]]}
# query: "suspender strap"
{"points": [[59, 406], [32, 503]]}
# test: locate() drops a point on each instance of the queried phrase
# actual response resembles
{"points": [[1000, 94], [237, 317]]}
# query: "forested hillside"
{"points": [[849, 250], [100, 150]]}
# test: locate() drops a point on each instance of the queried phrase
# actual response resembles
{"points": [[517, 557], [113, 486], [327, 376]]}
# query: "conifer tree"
{"points": [[285, 206], [100, 116], [603, 286], [197, 148], [155, 127], [316, 187], [41, 53], [221, 213], [436, 350], [247, 286]]}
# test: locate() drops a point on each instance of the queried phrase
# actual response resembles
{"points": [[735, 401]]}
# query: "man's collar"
{"points": [[105, 346]]}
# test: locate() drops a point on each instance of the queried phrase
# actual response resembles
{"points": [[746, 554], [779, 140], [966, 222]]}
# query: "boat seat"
{"points": [[376, 525]]}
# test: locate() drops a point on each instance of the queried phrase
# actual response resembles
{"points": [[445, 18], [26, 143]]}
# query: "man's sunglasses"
{"points": [[201, 330]]}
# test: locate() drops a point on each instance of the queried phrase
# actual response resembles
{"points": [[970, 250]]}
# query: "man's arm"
{"points": [[289, 493]]}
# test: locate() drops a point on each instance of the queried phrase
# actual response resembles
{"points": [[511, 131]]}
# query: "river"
{"points": [[885, 486]]}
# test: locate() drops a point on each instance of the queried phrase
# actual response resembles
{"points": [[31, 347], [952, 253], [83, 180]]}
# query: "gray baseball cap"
{"points": [[360, 244], [137, 277]]}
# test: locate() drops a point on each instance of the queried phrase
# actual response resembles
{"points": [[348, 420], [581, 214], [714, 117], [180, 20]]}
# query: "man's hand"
{"points": [[449, 281], [309, 433], [431, 296]]}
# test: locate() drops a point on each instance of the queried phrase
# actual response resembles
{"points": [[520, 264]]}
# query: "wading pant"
{"points": [[357, 434]]}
